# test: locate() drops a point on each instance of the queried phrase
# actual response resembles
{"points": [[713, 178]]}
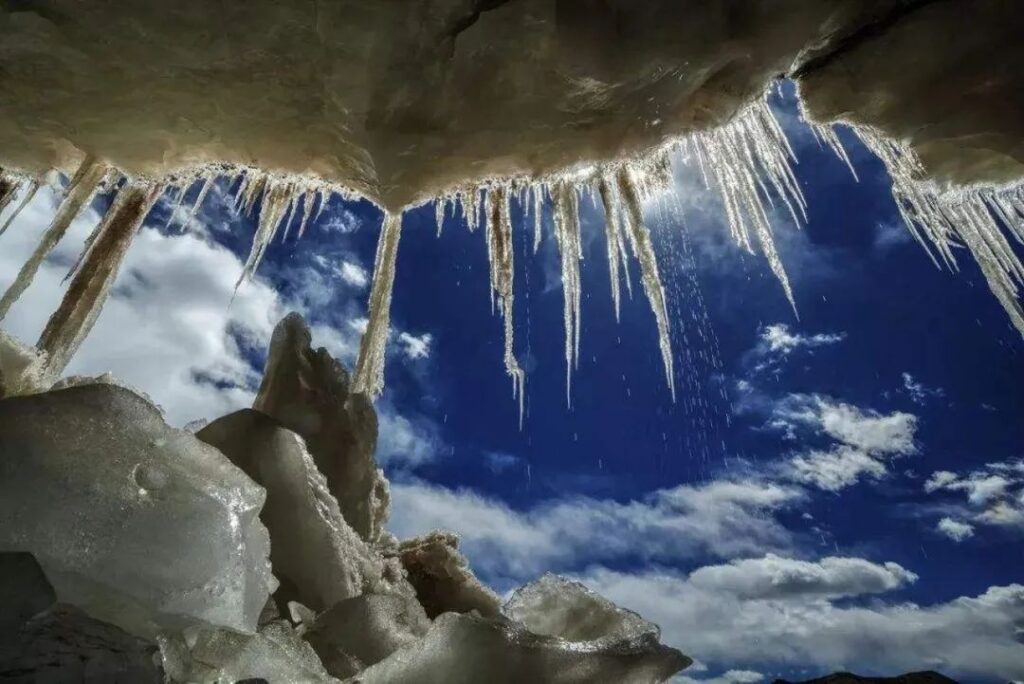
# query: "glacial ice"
{"points": [[365, 630], [318, 559], [136, 523], [309, 392], [469, 648], [442, 577]]}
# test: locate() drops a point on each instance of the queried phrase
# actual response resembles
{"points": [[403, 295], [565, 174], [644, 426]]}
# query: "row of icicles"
{"points": [[749, 161]]}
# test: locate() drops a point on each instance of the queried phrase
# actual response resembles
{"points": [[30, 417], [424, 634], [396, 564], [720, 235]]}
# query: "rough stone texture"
{"points": [[318, 559], [470, 649], [216, 656], [137, 523], [926, 677], [956, 97], [63, 645], [307, 392], [24, 591], [21, 368], [396, 100], [442, 577], [362, 631]]}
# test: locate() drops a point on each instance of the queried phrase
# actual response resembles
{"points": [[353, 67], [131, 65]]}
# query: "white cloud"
{"points": [[359, 324], [834, 470], [994, 495], [340, 221], [918, 392], [863, 429], [415, 347], [966, 636], [955, 529], [774, 577], [729, 677], [170, 326], [725, 519], [778, 341], [354, 274], [403, 442]]}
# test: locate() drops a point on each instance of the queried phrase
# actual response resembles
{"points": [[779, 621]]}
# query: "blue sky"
{"points": [[845, 490]]}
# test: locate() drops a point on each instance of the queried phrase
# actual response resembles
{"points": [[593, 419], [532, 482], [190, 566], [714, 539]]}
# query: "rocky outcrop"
{"points": [[136, 523], [307, 391]]}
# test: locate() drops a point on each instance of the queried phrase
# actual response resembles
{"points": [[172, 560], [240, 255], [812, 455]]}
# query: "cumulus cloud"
{"points": [[834, 470], [775, 577], [869, 431], [955, 529], [354, 274], [728, 624], [993, 495], [415, 347], [725, 519]]}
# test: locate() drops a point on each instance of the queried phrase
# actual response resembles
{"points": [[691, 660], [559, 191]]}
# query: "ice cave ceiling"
{"points": [[400, 101]]}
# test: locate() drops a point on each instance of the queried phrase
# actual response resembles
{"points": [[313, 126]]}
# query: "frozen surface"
{"points": [[212, 656], [467, 648], [24, 590], [318, 559], [442, 577], [138, 524], [365, 630], [308, 392]]}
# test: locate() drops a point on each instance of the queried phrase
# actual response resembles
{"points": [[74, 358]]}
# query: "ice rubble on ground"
{"points": [[154, 540]]}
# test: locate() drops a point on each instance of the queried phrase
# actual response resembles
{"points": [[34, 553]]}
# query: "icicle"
{"points": [[275, 201], [640, 238], [369, 373], [567, 237], [88, 291], [470, 206], [307, 209], [613, 236], [182, 190], [200, 198], [500, 257], [940, 219], [538, 214], [30, 192], [439, 206], [293, 198], [79, 193]]}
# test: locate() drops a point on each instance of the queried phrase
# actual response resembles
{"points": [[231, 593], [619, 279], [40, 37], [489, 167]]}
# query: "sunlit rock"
{"points": [[467, 648], [214, 656], [442, 577], [136, 523], [362, 631], [307, 391], [318, 559]]}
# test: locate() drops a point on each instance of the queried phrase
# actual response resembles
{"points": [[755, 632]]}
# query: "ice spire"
{"points": [[613, 235], [643, 249], [98, 268], [499, 254], [277, 198], [79, 193], [369, 373], [570, 249]]}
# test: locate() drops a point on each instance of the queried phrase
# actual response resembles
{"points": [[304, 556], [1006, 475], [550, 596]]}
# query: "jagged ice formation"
{"points": [[477, 104]]}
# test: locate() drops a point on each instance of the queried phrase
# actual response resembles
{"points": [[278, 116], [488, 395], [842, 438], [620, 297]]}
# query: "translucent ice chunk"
{"points": [[137, 523], [442, 578]]}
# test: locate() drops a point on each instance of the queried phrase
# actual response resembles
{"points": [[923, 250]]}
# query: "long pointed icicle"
{"points": [[640, 237], [567, 237], [276, 200], [613, 235], [369, 373], [88, 290], [79, 193], [30, 192], [499, 253]]}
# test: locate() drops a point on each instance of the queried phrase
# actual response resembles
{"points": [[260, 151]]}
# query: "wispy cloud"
{"points": [[778, 341], [918, 392], [415, 347], [354, 274], [993, 495]]}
